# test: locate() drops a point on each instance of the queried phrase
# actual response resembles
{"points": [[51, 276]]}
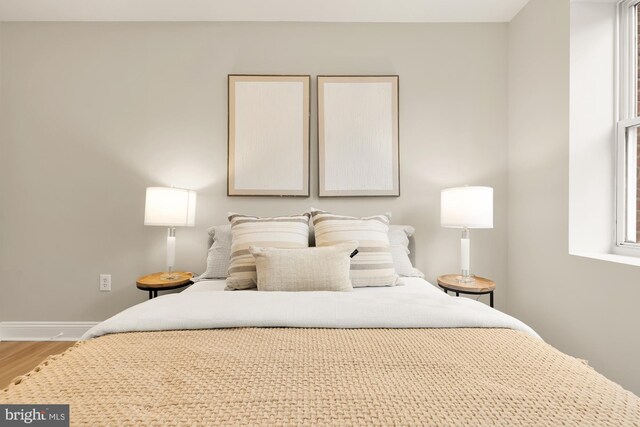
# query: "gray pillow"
{"points": [[219, 253]]}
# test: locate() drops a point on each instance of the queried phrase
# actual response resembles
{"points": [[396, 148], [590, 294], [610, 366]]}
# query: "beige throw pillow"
{"points": [[373, 265], [311, 269], [246, 231]]}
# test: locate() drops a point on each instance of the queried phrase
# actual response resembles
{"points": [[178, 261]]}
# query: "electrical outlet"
{"points": [[105, 282]]}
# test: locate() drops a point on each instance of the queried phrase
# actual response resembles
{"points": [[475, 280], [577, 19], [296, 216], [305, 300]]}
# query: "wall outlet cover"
{"points": [[105, 282]]}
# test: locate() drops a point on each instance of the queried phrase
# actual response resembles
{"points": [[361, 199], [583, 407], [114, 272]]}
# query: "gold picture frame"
{"points": [[268, 135], [358, 136]]}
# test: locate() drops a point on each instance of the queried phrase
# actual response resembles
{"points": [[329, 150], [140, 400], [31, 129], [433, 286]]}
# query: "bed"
{"points": [[405, 355]]}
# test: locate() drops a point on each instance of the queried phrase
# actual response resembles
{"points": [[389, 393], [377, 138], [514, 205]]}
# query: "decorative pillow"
{"points": [[219, 253], [373, 265], [312, 232], [399, 243], [279, 232], [309, 269]]}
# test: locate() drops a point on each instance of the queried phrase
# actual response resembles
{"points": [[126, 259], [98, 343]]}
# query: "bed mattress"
{"points": [[414, 304]]}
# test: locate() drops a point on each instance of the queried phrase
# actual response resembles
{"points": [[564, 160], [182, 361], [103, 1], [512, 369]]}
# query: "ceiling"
{"points": [[262, 10]]}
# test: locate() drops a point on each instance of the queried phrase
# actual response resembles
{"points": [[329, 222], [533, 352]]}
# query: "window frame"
{"points": [[626, 111]]}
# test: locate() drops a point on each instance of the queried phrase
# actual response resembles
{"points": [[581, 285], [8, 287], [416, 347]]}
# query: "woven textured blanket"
{"points": [[288, 376]]}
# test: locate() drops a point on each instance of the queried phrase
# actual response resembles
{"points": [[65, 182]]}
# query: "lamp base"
{"points": [[465, 279], [169, 276]]}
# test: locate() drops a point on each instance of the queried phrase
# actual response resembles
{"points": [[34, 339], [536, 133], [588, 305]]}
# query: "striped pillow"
{"points": [[373, 265], [279, 232]]}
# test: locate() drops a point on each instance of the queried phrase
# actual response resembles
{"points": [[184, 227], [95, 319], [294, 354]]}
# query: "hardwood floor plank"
{"points": [[19, 357]]}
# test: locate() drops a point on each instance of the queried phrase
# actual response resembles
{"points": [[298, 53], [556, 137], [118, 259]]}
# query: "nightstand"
{"points": [[480, 286], [154, 282]]}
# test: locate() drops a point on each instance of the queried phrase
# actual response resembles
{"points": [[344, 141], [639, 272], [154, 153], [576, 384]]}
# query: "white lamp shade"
{"points": [[470, 207], [170, 207]]}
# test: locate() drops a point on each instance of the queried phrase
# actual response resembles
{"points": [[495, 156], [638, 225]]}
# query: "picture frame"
{"points": [[358, 136], [268, 135]]}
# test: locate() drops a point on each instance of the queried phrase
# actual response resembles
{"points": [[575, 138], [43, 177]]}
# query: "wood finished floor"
{"points": [[18, 358]]}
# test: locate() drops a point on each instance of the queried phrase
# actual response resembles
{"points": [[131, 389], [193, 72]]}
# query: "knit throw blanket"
{"points": [[288, 376]]}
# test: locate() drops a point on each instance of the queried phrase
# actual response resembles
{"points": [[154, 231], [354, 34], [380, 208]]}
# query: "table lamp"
{"points": [[466, 207], [170, 207]]}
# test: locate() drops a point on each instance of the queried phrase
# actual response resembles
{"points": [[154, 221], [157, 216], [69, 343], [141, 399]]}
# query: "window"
{"points": [[628, 145]]}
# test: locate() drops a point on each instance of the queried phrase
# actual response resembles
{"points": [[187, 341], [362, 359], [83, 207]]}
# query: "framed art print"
{"points": [[358, 136], [268, 135]]}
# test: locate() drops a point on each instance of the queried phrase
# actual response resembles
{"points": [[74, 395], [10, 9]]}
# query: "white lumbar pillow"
{"points": [[311, 269]]}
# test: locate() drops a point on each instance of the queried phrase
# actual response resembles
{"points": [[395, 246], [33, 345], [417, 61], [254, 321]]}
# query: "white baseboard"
{"points": [[43, 331]]}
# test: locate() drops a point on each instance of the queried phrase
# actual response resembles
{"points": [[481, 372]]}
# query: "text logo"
{"points": [[34, 415]]}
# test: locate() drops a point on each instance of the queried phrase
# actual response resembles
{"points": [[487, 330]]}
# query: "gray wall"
{"points": [[584, 307], [94, 113]]}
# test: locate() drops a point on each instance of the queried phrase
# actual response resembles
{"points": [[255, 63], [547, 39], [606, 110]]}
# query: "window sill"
{"points": [[619, 259]]}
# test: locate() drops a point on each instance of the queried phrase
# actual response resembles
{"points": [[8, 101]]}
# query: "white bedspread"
{"points": [[415, 305]]}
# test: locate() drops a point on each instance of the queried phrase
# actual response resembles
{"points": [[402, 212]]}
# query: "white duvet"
{"points": [[204, 305]]}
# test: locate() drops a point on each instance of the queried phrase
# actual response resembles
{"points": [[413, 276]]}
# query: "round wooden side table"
{"points": [[480, 286], [155, 282]]}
